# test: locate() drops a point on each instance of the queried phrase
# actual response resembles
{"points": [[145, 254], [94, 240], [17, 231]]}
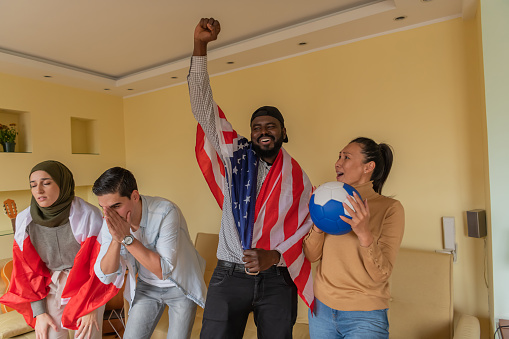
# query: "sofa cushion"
{"points": [[206, 245], [13, 324], [421, 295]]}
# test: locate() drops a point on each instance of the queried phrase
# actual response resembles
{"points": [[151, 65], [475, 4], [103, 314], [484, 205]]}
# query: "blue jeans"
{"points": [[148, 307], [328, 323]]}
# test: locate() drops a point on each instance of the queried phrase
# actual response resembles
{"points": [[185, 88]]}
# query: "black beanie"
{"points": [[272, 112]]}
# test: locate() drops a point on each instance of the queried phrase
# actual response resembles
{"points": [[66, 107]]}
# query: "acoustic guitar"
{"points": [[12, 212], [6, 277]]}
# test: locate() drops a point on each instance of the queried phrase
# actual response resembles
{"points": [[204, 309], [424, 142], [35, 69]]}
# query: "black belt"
{"points": [[277, 270]]}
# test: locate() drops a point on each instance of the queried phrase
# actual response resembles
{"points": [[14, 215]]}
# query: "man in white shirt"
{"points": [[149, 236]]}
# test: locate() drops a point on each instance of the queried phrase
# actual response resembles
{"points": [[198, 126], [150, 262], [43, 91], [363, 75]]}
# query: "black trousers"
{"points": [[233, 294]]}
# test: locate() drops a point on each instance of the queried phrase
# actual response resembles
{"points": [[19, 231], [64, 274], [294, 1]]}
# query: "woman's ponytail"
{"points": [[382, 155]]}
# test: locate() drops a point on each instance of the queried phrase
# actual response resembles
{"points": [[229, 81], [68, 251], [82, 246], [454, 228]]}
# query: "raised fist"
{"points": [[207, 30]]}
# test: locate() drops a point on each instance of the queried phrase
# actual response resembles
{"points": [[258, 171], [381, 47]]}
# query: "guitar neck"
{"points": [[11, 211]]}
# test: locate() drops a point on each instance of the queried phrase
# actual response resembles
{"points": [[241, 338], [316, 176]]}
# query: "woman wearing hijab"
{"points": [[53, 283]]}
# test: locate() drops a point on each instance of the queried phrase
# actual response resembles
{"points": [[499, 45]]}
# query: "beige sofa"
{"points": [[421, 305]]}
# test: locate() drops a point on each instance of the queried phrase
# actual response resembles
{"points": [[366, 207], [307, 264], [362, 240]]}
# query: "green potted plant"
{"points": [[8, 137]]}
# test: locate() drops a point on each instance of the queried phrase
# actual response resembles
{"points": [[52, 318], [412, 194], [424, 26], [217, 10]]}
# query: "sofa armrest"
{"points": [[468, 327]]}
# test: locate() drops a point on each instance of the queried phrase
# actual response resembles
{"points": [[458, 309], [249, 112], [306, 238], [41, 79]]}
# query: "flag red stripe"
{"points": [[221, 167], [206, 166], [301, 280], [271, 217], [292, 217], [303, 276], [293, 253], [221, 113], [272, 181], [229, 136]]}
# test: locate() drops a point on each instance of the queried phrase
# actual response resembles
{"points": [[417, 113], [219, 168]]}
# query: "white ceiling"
{"points": [[135, 46]]}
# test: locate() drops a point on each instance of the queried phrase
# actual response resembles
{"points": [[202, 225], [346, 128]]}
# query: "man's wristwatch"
{"points": [[128, 240]]}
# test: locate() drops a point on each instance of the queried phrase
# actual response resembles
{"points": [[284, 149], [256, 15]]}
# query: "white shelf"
{"points": [[22, 121]]}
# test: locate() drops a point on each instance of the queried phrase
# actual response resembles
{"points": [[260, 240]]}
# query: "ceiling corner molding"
{"points": [[333, 24], [53, 68], [153, 72], [310, 26], [469, 9], [338, 18]]}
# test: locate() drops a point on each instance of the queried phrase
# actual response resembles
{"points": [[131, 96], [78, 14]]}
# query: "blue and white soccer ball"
{"points": [[326, 206]]}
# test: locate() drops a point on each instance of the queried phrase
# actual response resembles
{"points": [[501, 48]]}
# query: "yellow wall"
{"points": [[50, 109], [417, 90]]}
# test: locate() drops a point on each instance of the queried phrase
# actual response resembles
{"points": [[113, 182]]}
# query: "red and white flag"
{"points": [[30, 278]]}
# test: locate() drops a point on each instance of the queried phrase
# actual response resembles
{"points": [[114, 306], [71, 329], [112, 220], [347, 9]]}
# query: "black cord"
{"points": [[498, 329]]}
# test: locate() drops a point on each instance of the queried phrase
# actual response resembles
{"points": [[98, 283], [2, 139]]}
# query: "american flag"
{"points": [[279, 217]]}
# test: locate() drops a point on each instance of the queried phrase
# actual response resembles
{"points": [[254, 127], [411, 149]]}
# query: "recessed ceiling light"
{"points": [[48, 76], [302, 43], [399, 18], [174, 77], [230, 62]]}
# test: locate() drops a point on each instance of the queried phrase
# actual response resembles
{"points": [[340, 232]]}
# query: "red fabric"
{"points": [[85, 290], [31, 279]]}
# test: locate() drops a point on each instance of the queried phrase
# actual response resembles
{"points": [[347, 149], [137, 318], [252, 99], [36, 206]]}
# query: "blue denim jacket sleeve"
{"points": [[105, 239], [164, 231], [167, 243]]}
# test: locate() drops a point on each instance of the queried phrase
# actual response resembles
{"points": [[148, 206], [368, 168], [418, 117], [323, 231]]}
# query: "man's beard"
{"points": [[268, 153]]}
